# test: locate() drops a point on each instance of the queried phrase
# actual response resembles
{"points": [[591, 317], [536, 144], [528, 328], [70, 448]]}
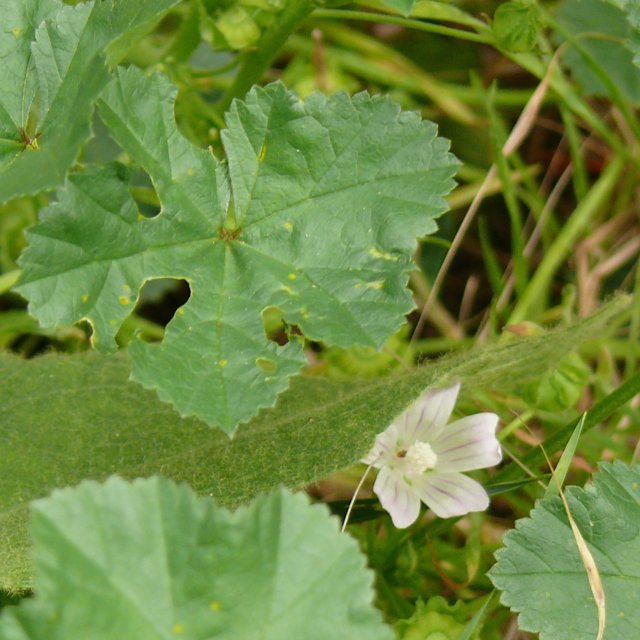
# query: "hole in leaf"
{"points": [[144, 194], [274, 326], [101, 148], [158, 303]]}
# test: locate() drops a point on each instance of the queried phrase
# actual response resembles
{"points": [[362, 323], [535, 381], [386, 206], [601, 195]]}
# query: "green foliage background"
{"points": [[91, 153]]}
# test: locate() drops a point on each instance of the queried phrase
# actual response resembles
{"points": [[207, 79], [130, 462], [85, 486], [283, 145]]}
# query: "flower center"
{"points": [[419, 457]]}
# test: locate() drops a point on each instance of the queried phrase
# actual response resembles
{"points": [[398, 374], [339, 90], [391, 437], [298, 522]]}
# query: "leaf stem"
{"points": [[409, 23]]}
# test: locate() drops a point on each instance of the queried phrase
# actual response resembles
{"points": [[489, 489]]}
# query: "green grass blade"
{"points": [[560, 473]]}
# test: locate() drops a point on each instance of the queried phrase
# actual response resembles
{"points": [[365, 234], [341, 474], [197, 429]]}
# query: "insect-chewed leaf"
{"points": [[51, 74], [315, 212]]}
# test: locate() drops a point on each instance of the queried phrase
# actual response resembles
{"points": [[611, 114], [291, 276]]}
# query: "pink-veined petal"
{"points": [[427, 416], [450, 494], [467, 444], [397, 498], [383, 449]]}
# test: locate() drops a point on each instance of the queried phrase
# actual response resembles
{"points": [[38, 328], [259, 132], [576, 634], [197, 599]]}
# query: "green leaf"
{"points": [[17, 73], [316, 213], [631, 10], [67, 418], [52, 72], [517, 25], [403, 6], [542, 575], [202, 569], [562, 388], [435, 619], [610, 36]]}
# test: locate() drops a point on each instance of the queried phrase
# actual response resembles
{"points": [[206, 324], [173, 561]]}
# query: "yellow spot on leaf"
{"points": [[292, 276], [112, 322], [266, 365], [181, 311], [190, 171], [382, 255], [223, 362], [263, 153], [17, 31], [124, 300], [215, 605], [358, 285], [376, 284], [288, 226], [178, 628], [84, 297]]}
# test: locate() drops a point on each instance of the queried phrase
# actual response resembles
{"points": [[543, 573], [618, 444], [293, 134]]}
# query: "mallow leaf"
{"points": [[542, 576], [278, 568], [609, 32], [315, 212], [52, 70], [517, 25]]}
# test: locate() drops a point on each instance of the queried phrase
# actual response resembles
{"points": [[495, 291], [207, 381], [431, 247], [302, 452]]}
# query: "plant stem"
{"points": [[256, 61], [409, 23]]}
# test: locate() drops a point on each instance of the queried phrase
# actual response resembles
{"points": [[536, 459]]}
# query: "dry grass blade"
{"points": [[353, 499], [593, 575], [518, 134]]}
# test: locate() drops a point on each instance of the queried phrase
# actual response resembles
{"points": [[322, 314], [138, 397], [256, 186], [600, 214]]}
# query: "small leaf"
{"points": [[542, 575], [202, 569], [517, 25], [403, 6], [315, 213], [562, 387], [51, 74], [435, 619]]}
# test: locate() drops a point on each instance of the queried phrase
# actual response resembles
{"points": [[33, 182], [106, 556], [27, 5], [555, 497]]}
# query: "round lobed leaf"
{"points": [[541, 573], [152, 561], [315, 212]]}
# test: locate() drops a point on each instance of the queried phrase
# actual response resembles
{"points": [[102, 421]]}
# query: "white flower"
{"points": [[421, 458]]}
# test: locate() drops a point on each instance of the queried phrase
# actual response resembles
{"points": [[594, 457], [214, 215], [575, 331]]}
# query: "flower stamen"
{"points": [[420, 457]]}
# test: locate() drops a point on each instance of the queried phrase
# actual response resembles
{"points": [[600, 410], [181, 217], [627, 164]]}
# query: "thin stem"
{"points": [[353, 498], [409, 23]]}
